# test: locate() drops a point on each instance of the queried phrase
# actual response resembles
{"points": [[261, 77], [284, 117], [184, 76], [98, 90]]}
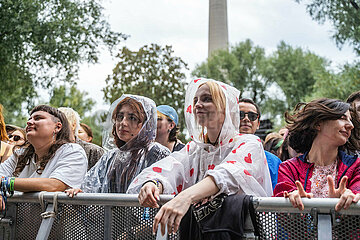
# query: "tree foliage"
{"points": [[343, 15], [296, 72], [44, 41], [241, 67], [63, 96], [152, 72]]}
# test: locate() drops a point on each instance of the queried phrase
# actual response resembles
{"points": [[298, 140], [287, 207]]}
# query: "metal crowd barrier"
{"points": [[119, 216]]}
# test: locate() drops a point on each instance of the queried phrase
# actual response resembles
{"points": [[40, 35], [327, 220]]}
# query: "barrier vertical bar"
{"points": [[108, 222], [46, 224], [324, 227]]}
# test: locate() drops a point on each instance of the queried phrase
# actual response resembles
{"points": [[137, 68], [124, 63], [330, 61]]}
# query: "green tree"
{"points": [[343, 15], [42, 42], [241, 67], [341, 84], [151, 71], [63, 96], [296, 72]]}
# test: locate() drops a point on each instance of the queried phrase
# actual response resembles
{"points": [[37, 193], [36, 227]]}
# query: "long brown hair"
{"points": [[62, 137], [302, 123], [3, 134]]}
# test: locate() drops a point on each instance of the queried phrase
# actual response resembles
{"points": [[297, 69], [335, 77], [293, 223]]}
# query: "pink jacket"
{"points": [[298, 168]]}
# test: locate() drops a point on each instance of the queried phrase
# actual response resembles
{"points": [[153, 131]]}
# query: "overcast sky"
{"points": [[184, 25]]}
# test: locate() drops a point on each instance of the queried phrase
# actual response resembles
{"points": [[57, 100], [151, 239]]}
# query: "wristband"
{"points": [[156, 182]]}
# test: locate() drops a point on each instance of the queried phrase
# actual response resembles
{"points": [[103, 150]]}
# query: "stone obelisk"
{"points": [[218, 26]]}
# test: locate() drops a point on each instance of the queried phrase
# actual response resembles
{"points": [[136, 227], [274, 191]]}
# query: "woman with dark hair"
{"points": [[50, 162], [133, 127], [167, 128], [321, 130], [218, 160], [85, 133]]}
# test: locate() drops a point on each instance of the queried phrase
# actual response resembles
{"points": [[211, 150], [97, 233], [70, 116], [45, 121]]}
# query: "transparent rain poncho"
{"points": [[237, 163], [117, 168]]}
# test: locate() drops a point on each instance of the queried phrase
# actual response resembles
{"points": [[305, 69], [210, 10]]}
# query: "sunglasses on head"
{"points": [[251, 115], [15, 137]]}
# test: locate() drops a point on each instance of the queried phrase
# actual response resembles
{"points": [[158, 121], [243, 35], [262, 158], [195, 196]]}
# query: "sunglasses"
{"points": [[15, 137], [251, 115]]}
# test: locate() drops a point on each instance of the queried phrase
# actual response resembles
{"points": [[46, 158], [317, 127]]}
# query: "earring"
{"points": [[53, 137]]}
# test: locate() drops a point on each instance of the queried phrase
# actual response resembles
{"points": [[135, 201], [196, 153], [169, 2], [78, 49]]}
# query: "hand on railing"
{"points": [[295, 196], [149, 195], [346, 195], [72, 192]]}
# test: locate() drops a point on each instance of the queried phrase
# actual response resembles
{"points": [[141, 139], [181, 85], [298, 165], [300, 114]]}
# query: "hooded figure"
{"points": [[235, 161], [132, 150]]}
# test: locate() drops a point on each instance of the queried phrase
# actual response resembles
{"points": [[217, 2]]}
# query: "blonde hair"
{"points": [[72, 117], [219, 100]]}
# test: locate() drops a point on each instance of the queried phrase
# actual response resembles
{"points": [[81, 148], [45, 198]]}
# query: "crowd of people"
{"points": [[314, 156]]}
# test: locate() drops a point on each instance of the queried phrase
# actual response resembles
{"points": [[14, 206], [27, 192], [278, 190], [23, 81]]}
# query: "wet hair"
{"points": [[354, 96], [136, 107], [62, 137], [3, 134], [87, 129], [218, 98], [306, 117], [248, 100]]}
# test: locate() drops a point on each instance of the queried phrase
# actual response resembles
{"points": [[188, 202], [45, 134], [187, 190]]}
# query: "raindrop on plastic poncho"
{"points": [[237, 163], [117, 168]]}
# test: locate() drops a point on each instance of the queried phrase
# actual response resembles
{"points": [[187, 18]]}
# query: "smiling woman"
{"points": [[133, 121], [321, 130], [50, 162]]}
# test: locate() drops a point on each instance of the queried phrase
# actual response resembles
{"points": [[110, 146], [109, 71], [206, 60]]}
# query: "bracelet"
{"points": [[156, 182]]}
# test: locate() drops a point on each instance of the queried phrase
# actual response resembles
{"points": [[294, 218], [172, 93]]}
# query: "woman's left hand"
{"points": [[346, 195], [171, 213]]}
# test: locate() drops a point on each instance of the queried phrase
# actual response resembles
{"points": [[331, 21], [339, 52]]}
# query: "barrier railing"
{"points": [[119, 216]]}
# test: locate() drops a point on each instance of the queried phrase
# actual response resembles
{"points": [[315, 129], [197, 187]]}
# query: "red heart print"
{"points": [[248, 158], [210, 167], [259, 140], [179, 188], [247, 172], [237, 99], [174, 193], [224, 87], [188, 109], [188, 148], [233, 162], [231, 140], [234, 151], [191, 172], [195, 81], [157, 169], [221, 143]]}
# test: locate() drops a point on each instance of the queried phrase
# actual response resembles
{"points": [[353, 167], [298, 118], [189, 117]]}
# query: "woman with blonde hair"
{"points": [[217, 160]]}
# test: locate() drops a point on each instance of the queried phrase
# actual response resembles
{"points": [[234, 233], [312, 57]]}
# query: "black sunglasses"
{"points": [[251, 115], [16, 137]]}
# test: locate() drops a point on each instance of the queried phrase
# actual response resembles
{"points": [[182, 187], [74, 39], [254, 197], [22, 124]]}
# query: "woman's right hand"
{"points": [[295, 196], [72, 192], [149, 195]]}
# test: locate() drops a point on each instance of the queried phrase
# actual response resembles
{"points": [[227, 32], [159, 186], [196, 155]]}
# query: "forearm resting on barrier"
{"points": [[39, 184]]}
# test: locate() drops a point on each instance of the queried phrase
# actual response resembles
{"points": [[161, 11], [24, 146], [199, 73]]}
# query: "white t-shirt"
{"points": [[68, 165]]}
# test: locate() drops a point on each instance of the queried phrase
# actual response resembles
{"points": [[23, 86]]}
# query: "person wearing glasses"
{"points": [[132, 123], [249, 123], [17, 135]]}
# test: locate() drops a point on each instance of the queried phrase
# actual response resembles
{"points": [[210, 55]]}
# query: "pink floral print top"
{"points": [[319, 185]]}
